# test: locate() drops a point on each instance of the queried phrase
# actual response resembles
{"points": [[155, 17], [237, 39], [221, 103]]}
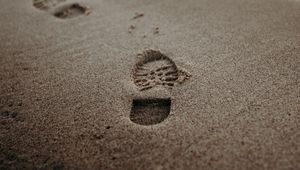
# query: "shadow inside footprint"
{"points": [[71, 11], [150, 111]]}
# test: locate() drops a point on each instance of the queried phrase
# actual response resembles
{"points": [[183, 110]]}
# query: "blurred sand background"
{"points": [[66, 85]]}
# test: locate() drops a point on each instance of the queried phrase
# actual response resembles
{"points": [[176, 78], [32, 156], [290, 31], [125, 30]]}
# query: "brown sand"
{"points": [[67, 89]]}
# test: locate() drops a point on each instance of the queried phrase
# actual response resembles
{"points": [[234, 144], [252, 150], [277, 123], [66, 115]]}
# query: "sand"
{"points": [[67, 84]]}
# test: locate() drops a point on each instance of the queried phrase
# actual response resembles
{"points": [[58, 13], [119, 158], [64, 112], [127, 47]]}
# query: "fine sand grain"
{"points": [[150, 84]]}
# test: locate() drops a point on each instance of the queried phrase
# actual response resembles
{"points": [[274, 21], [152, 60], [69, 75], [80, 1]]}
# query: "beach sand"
{"points": [[70, 98]]}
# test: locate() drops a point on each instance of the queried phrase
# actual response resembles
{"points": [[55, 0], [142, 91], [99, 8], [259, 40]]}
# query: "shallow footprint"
{"points": [[46, 4], [71, 11], [156, 69]]}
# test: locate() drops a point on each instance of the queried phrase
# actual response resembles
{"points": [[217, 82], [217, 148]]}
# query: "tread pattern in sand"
{"points": [[155, 69], [150, 111]]}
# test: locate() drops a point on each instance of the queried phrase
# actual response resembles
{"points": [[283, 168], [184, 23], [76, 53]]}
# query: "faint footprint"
{"points": [[8, 114], [46, 4], [71, 10], [156, 69], [60, 9]]}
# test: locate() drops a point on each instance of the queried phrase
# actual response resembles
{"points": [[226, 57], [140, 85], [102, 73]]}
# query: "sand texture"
{"points": [[150, 84]]}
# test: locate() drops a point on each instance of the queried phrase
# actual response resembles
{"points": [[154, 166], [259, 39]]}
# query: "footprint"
{"points": [[150, 111], [9, 114], [71, 11], [60, 9], [46, 4], [156, 69]]}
